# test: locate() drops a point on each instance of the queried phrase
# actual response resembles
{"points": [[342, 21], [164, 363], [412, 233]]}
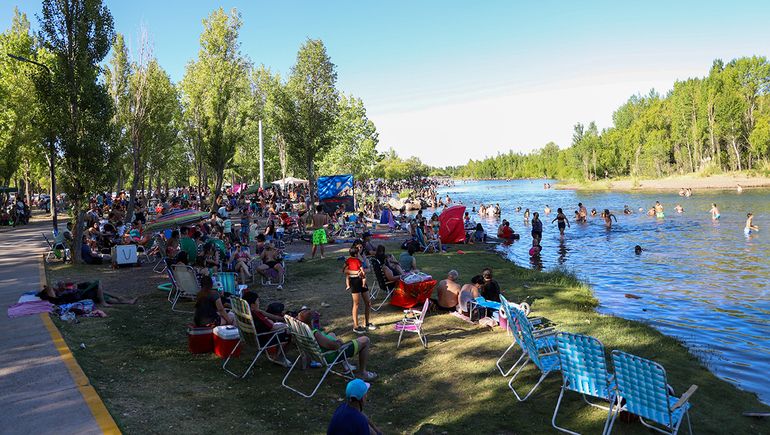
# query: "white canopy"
{"points": [[289, 180]]}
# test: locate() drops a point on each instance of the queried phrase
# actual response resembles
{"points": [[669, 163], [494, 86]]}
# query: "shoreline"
{"points": [[730, 181]]}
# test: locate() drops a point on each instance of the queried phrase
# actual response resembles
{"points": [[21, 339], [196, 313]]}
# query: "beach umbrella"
{"points": [[175, 219]]}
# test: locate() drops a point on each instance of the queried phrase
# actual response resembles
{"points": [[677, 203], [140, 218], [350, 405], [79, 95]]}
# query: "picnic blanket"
{"points": [[29, 308]]}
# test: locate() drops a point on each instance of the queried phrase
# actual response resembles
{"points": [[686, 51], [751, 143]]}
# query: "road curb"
{"points": [[95, 404]]}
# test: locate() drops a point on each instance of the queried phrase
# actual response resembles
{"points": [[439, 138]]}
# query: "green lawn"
{"points": [[137, 359]]}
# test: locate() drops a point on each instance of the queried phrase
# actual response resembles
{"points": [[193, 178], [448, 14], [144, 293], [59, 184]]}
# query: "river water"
{"points": [[705, 283]]}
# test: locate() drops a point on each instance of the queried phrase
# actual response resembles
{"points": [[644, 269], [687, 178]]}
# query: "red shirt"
{"points": [[353, 264], [507, 233]]}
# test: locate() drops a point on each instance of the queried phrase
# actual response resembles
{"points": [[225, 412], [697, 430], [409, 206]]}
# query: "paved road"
{"points": [[37, 392]]}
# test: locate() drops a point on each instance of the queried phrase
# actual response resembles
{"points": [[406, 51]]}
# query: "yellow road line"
{"points": [[94, 402]]}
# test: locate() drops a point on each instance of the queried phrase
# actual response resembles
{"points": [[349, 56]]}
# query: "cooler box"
{"points": [[225, 339], [200, 340]]}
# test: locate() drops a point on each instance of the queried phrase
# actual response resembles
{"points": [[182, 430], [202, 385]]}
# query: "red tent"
{"points": [[451, 229]]}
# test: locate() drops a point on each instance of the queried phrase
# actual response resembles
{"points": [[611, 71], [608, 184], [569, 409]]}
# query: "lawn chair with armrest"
{"points": [[249, 336]]}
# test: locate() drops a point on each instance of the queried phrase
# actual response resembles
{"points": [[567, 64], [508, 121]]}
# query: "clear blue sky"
{"points": [[449, 80]]}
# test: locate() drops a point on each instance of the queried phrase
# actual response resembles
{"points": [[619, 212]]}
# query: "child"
{"points": [[355, 282]]}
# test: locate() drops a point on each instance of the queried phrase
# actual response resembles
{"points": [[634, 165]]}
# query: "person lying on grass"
{"points": [[328, 341], [208, 306], [60, 294]]}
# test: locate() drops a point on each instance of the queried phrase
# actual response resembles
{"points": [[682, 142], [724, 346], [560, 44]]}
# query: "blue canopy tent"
{"points": [[334, 190]]}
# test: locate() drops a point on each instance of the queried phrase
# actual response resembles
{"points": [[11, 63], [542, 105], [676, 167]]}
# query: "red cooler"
{"points": [[200, 340], [225, 339]]}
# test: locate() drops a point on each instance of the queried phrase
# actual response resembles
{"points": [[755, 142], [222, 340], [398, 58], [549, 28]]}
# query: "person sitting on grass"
{"points": [[407, 261], [60, 294], [447, 292], [271, 260], [491, 289], [90, 255], [355, 282], [329, 341], [468, 293], [349, 418], [208, 306]]}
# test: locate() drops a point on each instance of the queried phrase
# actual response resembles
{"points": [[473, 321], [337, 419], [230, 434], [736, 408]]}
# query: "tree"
{"points": [[78, 33], [216, 98], [20, 138], [308, 108], [354, 138]]}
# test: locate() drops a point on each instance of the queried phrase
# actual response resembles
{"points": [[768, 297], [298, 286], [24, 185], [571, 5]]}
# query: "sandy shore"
{"points": [[714, 182]]}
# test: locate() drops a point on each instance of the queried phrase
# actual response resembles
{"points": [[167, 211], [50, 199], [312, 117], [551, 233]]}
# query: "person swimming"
{"points": [[714, 212], [679, 208], [750, 224], [593, 212], [547, 209], [627, 210], [638, 250]]}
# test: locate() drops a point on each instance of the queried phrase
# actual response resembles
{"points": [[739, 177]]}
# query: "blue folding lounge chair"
{"points": [[545, 360], [543, 338], [584, 370], [643, 385]]}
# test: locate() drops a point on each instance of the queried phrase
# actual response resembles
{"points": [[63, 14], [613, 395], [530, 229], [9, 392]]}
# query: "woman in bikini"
{"points": [[563, 222]]}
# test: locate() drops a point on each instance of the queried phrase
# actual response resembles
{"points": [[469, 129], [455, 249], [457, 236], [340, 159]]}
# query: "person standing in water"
{"points": [[714, 212], [537, 228], [526, 216], [582, 213], [608, 217], [750, 224], [659, 210], [563, 222]]}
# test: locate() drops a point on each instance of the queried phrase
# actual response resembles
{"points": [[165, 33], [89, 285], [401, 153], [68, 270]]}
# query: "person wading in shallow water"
{"points": [[562, 219]]}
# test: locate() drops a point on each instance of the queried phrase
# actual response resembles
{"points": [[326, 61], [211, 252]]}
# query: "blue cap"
{"points": [[356, 389]]}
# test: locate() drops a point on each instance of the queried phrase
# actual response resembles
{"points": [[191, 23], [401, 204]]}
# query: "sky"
{"points": [[448, 81]]}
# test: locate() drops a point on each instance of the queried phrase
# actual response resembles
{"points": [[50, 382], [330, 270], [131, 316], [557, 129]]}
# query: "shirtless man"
{"points": [[582, 213], [750, 227], [447, 291], [320, 221], [714, 212]]}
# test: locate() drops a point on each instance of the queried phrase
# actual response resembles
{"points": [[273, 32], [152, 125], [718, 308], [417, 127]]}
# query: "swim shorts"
{"points": [[319, 237], [350, 351]]}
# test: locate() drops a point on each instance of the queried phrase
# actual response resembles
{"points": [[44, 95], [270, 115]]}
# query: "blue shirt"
{"points": [[348, 421]]}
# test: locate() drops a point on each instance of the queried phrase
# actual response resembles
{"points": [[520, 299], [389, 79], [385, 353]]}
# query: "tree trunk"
{"points": [[310, 177], [77, 233], [737, 153], [217, 188]]}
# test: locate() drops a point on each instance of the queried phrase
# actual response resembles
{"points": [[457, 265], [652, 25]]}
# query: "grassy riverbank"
{"points": [[137, 360], [724, 181]]}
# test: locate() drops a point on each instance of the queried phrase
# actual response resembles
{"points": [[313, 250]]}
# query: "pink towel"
{"points": [[29, 308]]}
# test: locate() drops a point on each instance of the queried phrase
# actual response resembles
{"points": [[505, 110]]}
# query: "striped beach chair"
{"points": [[545, 359]]}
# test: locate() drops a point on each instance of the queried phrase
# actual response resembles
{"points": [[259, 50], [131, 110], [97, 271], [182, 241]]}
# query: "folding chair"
{"points": [[52, 254], [227, 283], [249, 336], [412, 322], [584, 370], [186, 285], [311, 351], [544, 339], [380, 279], [643, 385], [546, 360], [160, 242]]}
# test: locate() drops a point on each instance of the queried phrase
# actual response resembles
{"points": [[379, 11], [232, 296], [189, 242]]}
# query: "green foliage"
{"points": [[309, 106], [216, 99], [354, 139], [393, 167], [718, 122]]}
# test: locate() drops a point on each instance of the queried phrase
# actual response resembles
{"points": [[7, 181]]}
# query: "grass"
{"points": [[137, 359]]}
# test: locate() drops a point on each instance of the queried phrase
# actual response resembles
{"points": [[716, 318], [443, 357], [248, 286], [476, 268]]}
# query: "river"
{"points": [[705, 283]]}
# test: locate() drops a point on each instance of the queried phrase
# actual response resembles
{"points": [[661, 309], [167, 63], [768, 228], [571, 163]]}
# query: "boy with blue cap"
{"points": [[349, 418]]}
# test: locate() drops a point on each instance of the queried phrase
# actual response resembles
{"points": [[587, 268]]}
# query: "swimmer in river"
{"points": [[659, 210], [593, 212], [714, 212], [537, 228], [547, 210], [750, 227], [608, 217], [627, 210], [638, 250], [679, 208], [518, 209], [582, 213], [526, 216], [651, 211], [563, 221]]}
